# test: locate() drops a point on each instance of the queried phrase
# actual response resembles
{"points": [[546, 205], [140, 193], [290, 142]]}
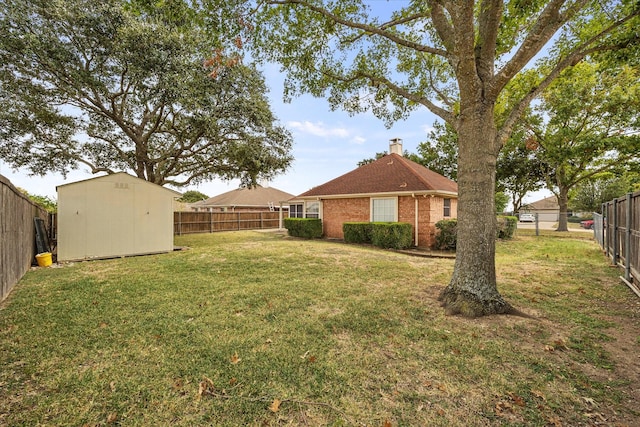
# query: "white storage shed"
{"points": [[112, 216]]}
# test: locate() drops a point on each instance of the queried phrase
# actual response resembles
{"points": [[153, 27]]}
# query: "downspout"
{"points": [[415, 199]]}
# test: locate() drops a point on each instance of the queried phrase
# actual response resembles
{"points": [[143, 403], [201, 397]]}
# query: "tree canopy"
{"points": [[134, 86], [454, 58]]}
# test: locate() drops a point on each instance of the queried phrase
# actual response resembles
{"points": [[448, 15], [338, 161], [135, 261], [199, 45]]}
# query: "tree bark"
{"points": [[473, 291], [563, 203]]}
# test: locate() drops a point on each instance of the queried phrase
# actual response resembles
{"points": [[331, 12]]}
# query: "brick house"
{"points": [[390, 189]]}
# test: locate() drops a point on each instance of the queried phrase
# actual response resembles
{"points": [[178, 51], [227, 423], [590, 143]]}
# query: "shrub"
{"points": [[506, 227], [357, 232], [391, 235], [308, 228], [446, 238]]}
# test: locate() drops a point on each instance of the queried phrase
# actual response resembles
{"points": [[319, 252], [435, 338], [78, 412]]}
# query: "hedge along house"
{"points": [[391, 189], [112, 216]]}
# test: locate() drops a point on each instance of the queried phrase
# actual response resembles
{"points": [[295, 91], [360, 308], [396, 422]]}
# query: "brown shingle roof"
{"points": [[257, 196], [389, 174]]}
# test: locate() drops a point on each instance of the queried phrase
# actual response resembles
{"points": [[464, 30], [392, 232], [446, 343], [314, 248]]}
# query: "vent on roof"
{"points": [[395, 146]]}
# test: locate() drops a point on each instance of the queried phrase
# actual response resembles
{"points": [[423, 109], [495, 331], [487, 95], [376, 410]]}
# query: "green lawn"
{"points": [[251, 328]]}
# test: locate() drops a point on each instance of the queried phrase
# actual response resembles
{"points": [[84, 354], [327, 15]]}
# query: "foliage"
{"points": [[120, 85], [502, 200], [440, 152], [192, 196], [589, 195], [587, 123], [447, 236], [391, 235], [357, 232], [307, 228], [371, 160], [507, 226], [49, 204], [386, 235]]}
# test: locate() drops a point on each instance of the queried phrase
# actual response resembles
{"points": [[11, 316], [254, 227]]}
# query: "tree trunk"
{"points": [[563, 203], [472, 291]]}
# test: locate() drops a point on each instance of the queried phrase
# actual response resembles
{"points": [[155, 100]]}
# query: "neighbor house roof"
{"points": [[548, 203], [247, 197], [389, 174]]}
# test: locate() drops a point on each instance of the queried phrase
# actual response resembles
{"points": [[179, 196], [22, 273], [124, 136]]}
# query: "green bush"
{"points": [[506, 227], [448, 235], [357, 232], [392, 235], [308, 228]]}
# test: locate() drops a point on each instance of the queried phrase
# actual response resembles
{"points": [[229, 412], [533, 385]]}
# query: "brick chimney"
{"points": [[395, 146]]}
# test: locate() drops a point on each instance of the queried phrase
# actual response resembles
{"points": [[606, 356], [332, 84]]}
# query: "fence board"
{"points": [[17, 235], [211, 222], [621, 234]]}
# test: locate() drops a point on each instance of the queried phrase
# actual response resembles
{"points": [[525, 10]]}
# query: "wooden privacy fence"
{"points": [[211, 222], [619, 235], [17, 234]]}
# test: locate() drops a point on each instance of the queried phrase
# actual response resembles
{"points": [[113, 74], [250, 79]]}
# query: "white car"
{"points": [[527, 217]]}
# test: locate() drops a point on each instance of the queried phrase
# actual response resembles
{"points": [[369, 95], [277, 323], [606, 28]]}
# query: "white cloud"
{"points": [[358, 140], [318, 129]]}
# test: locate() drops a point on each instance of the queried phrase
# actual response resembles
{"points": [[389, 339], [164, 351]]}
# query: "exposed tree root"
{"points": [[466, 304]]}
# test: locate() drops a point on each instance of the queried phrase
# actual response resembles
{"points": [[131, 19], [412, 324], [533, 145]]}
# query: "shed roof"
{"points": [[548, 203], [120, 175], [389, 174], [256, 196]]}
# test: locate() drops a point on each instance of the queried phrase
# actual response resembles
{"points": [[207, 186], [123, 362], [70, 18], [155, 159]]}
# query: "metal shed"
{"points": [[112, 216]]}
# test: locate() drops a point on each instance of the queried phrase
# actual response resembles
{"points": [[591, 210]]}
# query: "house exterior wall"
{"points": [[335, 212], [114, 215]]}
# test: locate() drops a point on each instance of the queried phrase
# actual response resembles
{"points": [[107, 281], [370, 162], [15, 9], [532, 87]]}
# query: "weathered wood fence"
{"points": [[17, 235], [211, 222], [618, 232]]}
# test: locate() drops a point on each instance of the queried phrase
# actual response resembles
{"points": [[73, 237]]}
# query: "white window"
{"points": [[312, 210], [384, 210]]}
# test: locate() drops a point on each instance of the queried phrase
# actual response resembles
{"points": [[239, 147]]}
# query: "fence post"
{"points": [[627, 242], [616, 251], [179, 223], [238, 216]]}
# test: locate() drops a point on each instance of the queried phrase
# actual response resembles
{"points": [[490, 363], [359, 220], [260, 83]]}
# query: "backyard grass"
{"points": [[258, 329]]}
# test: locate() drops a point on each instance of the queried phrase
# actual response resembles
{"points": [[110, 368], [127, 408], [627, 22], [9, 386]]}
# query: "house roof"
{"points": [[548, 203], [114, 177], [389, 174], [256, 196]]}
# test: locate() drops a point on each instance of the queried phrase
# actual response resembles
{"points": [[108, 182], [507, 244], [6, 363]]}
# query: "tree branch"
{"points": [[368, 29]]}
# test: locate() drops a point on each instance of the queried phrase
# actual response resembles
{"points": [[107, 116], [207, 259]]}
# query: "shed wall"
{"points": [[115, 215]]}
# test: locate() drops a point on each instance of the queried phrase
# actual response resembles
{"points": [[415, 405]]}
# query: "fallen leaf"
{"points": [[103, 325], [275, 405], [518, 400], [549, 348], [456, 351], [112, 386], [112, 418], [538, 394], [205, 386], [589, 401], [387, 423], [235, 359], [233, 381], [311, 359]]}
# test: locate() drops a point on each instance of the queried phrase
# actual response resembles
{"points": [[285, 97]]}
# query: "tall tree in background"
{"points": [[454, 58], [122, 85], [589, 195], [588, 122]]}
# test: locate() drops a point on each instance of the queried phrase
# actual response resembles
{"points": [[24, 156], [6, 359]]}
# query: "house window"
{"points": [[305, 210], [384, 210], [447, 208], [296, 211], [313, 210]]}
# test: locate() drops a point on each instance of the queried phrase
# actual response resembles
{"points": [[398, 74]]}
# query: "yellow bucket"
{"points": [[44, 259]]}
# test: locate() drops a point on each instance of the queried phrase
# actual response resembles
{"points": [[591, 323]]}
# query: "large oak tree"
{"points": [[455, 58], [149, 87]]}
